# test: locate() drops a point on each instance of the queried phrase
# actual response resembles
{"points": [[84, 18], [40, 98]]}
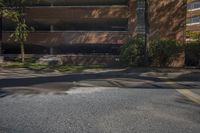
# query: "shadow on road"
{"points": [[121, 79], [13, 82]]}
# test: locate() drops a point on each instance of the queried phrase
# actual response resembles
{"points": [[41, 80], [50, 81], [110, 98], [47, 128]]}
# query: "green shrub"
{"points": [[192, 54], [163, 52], [132, 53], [193, 35]]}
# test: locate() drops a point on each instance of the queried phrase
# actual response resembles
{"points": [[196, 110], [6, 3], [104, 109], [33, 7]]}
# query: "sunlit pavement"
{"points": [[118, 101]]}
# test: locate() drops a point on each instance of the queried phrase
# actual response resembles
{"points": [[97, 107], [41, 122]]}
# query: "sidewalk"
{"points": [[173, 74]]}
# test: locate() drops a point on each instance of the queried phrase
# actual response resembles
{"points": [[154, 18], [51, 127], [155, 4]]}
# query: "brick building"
{"points": [[193, 20], [193, 16], [95, 26]]}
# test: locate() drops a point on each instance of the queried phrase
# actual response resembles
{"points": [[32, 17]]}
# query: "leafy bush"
{"points": [[132, 53], [193, 35], [192, 54], [163, 52]]}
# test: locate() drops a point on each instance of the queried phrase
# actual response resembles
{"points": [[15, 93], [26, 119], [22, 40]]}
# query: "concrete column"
{"points": [[0, 48], [51, 51], [52, 28], [132, 17], [0, 35], [1, 57]]}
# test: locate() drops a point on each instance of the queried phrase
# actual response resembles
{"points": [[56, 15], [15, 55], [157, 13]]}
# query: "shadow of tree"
{"points": [[193, 76], [126, 79], [13, 82]]}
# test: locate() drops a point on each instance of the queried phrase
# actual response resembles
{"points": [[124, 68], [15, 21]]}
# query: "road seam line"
{"points": [[190, 95], [185, 92]]}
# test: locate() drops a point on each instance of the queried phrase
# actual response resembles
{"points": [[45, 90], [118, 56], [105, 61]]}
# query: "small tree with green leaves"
{"points": [[17, 15], [195, 36], [20, 36]]}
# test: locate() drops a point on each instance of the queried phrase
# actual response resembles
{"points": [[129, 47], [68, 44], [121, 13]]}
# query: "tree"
{"points": [[7, 13], [20, 36], [17, 15]]}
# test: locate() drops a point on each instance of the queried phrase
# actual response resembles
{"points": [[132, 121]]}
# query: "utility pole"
{"points": [[146, 32]]}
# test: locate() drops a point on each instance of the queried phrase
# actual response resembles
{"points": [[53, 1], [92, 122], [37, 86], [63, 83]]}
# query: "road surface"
{"points": [[114, 101]]}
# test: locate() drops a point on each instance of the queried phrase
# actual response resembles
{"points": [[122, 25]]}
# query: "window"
{"points": [[193, 20], [194, 5]]}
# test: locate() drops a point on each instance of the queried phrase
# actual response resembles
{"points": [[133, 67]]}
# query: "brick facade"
{"points": [[166, 18], [194, 27]]}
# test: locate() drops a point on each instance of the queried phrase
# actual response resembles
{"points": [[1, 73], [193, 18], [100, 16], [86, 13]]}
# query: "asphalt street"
{"points": [[113, 101]]}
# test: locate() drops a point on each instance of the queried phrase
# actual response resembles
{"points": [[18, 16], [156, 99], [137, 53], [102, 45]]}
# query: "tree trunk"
{"points": [[22, 52]]}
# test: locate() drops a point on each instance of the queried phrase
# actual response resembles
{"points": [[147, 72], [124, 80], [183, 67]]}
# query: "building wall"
{"points": [[110, 22], [75, 37], [193, 12], [166, 17]]}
